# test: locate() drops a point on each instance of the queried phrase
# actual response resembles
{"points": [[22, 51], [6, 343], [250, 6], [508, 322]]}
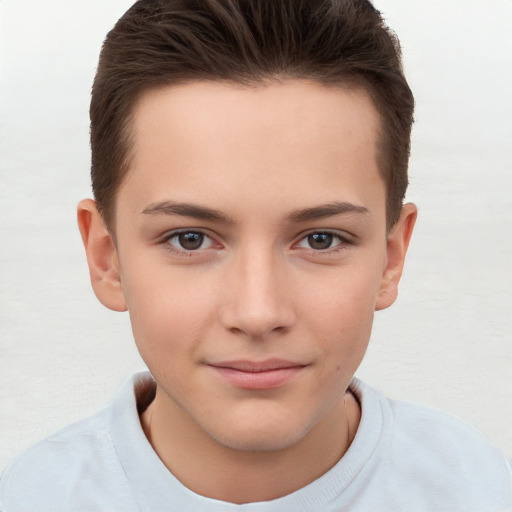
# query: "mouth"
{"points": [[269, 374]]}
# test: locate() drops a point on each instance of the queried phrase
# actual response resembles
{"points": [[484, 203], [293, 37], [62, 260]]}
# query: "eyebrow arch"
{"points": [[185, 210], [326, 210]]}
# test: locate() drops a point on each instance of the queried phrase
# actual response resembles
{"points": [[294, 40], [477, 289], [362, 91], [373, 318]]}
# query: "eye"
{"points": [[321, 241], [188, 241]]}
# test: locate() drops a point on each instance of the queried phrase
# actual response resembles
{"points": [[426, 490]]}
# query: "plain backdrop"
{"points": [[447, 341]]}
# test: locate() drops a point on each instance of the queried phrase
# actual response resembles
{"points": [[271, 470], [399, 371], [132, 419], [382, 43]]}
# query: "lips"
{"points": [[258, 375]]}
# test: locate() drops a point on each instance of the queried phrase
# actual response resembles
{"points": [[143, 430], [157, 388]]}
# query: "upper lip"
{"points": [[244, 365]]}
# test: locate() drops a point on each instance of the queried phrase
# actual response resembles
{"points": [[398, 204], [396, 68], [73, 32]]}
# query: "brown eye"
{"points": [[325, 242], [319, 241], [190, 241]]}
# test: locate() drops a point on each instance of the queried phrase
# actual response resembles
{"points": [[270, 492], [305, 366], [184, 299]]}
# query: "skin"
{"points": [[266, 160]]}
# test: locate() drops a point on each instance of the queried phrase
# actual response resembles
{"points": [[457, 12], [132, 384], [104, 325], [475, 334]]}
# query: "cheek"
{"points": [[341, 317], [168, 313], [346, 300]]}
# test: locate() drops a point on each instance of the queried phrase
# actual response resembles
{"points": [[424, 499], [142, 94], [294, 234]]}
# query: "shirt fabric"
{"points": [[404, 457]]}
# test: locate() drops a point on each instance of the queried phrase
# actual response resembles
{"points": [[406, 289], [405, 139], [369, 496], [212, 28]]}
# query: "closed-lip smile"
{"points": [[267, 374]]}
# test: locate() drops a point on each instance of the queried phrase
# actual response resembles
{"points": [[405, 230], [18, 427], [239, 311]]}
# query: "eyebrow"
{"points": [[185, 210], [204, 213], [326, 210]]}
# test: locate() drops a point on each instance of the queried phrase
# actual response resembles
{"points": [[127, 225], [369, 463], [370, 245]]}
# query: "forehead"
{"points": [[285, 141]]}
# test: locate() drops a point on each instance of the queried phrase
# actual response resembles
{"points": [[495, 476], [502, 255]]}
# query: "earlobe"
{"points": [[397, 244], [101, 257]]}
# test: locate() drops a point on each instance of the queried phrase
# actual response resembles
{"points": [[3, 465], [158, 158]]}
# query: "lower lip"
{"points": [[259, 380]]}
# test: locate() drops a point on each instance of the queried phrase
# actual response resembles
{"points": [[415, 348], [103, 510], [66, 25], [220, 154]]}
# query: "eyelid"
{"points": [[345, 239], [164, 239], [178, 231]]}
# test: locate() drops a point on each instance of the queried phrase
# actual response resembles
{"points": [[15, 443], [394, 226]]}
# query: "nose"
{"points": [[258, 298]]}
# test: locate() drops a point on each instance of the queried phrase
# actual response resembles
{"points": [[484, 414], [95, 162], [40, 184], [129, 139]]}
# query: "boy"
{"points": [[249, 164]]}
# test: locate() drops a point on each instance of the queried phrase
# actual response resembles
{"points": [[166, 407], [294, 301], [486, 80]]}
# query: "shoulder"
{"points": [[450, 455], [442, 435], [426, 450], [67, 445], [73, 469]]}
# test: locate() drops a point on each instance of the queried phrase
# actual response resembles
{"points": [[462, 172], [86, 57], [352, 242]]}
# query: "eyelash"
{"points": [[343, 242], [184, 252]]}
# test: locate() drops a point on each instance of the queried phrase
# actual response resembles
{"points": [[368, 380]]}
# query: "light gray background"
{"points": [[446, 342]]}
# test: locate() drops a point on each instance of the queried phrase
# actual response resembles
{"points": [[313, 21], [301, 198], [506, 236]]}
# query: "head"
{"points": [[157, 43], [249, 167]]}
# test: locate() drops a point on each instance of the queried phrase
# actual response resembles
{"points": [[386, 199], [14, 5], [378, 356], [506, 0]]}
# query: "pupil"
{"points": [[320, 240], [191, 241]]}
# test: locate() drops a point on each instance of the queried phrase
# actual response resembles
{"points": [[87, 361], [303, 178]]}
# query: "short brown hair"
{"points": [[165, 42]]}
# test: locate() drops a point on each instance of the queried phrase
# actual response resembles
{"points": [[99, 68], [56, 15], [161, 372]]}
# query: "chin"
{"points": [[262, 443], [263, 437]]}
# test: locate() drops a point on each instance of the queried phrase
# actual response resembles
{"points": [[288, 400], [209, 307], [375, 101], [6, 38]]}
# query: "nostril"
{"points": [[257, 325]]}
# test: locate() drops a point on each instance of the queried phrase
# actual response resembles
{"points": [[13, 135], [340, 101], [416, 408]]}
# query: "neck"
{"points": [[216, 471]]}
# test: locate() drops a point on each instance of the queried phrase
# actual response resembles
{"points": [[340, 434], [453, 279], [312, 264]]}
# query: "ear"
{"points": [[101, 257], [397, 244]]}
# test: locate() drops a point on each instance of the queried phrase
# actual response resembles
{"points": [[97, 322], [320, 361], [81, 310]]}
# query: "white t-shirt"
{"points": [[404, 458]]}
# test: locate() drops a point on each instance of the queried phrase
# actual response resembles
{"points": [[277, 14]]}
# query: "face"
{"points": [[252, 252]]}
